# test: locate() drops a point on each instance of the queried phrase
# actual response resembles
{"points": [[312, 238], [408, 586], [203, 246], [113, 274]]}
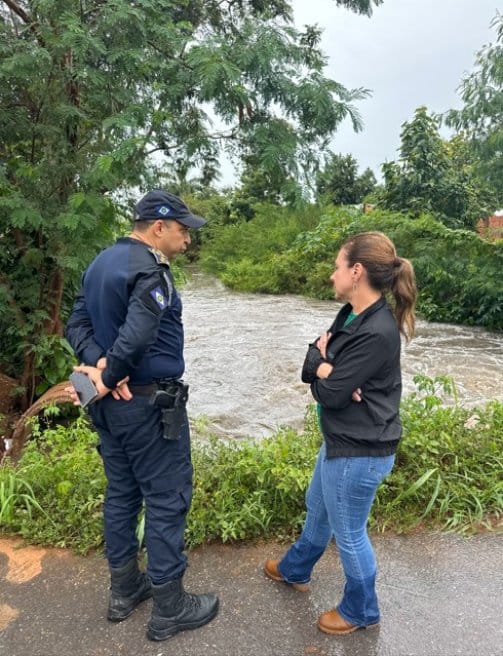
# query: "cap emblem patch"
{"points": [[163, 210]]}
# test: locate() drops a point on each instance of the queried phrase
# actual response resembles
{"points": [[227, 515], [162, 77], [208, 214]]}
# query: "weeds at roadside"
{"points": [[447, 475]]}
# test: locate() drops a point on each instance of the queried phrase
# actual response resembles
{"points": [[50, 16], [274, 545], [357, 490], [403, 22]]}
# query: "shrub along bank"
{"points": [[282, 251], [447, 474]]}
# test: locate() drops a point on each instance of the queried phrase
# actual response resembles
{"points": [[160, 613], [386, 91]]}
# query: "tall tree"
{"points": [[433, 175], [482, 114], [93, 90], [340, 182]]}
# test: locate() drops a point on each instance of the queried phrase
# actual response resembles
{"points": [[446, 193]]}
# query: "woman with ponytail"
{"points": [[354, 373]]}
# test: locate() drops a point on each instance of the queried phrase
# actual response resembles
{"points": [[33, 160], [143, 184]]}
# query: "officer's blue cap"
{"points": [[159, 204]]}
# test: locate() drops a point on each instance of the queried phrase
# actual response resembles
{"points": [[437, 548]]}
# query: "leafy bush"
{"points": [[458, 274], [61, 470], [447, 474], [252, 488], [448, 468], [272, 231]]}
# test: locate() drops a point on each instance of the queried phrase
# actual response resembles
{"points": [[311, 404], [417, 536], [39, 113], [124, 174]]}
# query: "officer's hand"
{"points": [[95, 375], [357, 395], [70, 390], [122, 390], [102, 363]]}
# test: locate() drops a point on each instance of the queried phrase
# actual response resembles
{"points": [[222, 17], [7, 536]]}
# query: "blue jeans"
{"points": [[339, 499]]}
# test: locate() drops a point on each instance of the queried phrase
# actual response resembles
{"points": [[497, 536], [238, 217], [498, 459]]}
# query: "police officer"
{"points": [[126, 327]]}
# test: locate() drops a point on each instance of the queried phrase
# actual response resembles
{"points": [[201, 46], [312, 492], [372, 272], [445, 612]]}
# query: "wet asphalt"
{"points": [[440, 595]]}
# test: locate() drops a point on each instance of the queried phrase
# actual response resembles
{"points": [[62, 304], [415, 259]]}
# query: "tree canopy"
{"points": [[340, 182], [436, 176], [94, 91], [481, 116]]}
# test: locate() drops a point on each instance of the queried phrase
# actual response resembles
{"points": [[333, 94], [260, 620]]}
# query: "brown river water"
{"points": [[244, 353]]}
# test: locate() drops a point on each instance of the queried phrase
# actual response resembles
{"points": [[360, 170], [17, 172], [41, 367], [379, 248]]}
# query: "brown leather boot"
{"points": [[333, 623], [271, 570]]}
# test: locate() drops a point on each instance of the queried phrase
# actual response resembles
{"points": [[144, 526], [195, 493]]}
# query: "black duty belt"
{"points": [[147, 390]]}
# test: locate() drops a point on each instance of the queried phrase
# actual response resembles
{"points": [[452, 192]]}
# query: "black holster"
{"points": [[171, 398]]}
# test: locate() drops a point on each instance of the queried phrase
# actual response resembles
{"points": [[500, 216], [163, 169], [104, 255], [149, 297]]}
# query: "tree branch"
{"points": [[18, 10], [218, 135], [26, 19]]}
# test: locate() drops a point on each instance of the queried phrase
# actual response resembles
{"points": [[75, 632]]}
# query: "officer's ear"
{"points": [[158, 226]]}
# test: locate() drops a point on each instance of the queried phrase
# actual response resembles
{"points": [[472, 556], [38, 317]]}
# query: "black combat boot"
{"points": [[175, 610], [128, 588]]}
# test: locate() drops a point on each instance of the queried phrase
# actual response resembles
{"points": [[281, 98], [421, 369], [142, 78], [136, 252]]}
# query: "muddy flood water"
{"points": [[244, 353]]}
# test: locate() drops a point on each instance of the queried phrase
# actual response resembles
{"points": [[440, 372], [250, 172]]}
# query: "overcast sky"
{"points": [[409, 53]]}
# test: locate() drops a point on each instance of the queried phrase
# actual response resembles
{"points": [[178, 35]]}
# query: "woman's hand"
{"points": [[322, 344], [324, 370]]}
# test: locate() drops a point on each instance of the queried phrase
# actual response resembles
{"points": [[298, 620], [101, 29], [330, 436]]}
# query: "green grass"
{"points": [[447, 475]]}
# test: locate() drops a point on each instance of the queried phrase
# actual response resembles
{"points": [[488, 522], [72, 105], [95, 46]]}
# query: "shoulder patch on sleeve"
{"points": [[159, 297]]}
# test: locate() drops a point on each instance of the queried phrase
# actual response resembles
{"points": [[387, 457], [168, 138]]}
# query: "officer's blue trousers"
{"points": [[140, 465]]}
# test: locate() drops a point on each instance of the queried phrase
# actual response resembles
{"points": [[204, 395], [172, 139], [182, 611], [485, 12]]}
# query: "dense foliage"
{"points": [[481, 116], [340, 183], [94, 92], [435, 176], [447, 474], [283, 251]]}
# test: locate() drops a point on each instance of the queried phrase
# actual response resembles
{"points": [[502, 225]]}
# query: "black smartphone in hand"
{"points": [[85, 388]]}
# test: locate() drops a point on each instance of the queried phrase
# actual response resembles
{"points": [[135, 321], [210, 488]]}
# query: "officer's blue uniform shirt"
{"points": [[129, 311]]}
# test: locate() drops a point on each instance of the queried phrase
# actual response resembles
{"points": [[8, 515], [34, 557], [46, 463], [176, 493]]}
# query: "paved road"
{"points": [[440, 595]]}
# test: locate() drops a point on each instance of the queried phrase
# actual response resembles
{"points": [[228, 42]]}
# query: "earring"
{"points": [[355, 287]]}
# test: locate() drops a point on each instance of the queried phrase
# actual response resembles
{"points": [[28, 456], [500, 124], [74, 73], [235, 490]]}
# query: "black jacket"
{"points": [[364, 354]]}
